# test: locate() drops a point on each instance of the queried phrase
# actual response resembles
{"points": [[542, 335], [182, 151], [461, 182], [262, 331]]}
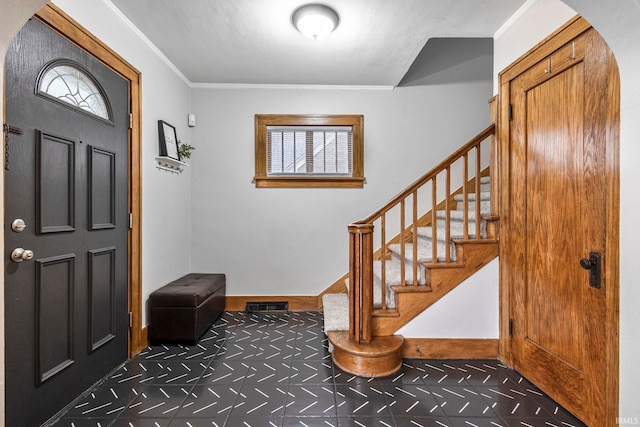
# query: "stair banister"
{"points": [[361, 235], [490, 130]]}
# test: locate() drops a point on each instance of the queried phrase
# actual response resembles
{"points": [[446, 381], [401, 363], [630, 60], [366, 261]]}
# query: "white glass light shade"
{"points": [[315, 20]]}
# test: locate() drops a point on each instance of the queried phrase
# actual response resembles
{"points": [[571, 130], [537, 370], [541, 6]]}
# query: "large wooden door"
{"points": [[563, 157], [66, 231]]}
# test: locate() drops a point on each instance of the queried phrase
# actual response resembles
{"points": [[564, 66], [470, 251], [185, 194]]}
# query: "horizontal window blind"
{"points": [[309, 150]]}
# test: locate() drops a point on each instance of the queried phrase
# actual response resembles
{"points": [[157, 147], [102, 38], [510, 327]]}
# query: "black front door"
{"points": [[66, 195]]}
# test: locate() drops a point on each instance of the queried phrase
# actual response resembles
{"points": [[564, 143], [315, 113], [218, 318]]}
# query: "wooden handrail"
{"points": [[490, 130], [361, 251]]}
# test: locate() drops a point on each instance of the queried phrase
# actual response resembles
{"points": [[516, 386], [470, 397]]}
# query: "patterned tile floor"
{"points": [[275, 370]]}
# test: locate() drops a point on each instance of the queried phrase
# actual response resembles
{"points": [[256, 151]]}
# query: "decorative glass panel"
{"points": [[69, 84]]}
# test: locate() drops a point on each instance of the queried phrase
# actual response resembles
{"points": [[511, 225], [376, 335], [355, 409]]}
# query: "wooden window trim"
{"points": [[356, 180]]}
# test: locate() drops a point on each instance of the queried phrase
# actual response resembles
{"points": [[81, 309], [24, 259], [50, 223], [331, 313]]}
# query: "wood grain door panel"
{"points": [[560, 143], [548, 326]]}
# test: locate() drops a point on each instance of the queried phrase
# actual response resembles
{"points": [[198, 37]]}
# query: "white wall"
{"points": [[166, 197], [294, 241], [618, 21], [469, 311]]}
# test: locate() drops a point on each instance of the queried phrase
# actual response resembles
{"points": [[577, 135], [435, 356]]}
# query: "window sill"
{"points": [[308, 182]]}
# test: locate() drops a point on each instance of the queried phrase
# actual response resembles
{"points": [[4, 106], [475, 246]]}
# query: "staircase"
{"points": [[431, 253]]}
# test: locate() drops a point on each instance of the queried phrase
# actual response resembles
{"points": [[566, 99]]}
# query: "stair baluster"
{"points": [[465, 198], [477, 189]]}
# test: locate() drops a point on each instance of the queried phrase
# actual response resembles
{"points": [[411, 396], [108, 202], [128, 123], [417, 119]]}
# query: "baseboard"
{"points": [[144, 339], [450, 348], [296, 303]]}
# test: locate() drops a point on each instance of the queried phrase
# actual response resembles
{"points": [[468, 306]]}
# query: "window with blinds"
{"points": [[293, 150], [309, 151]]}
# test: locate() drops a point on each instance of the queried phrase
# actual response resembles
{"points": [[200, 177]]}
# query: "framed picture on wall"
{"points": [[168, 140]]}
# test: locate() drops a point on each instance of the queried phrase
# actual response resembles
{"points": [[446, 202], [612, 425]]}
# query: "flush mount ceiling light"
{"points": [[315, 20]]}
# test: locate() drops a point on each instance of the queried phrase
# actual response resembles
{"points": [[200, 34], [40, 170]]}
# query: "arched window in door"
{"points": [[68, 83]]}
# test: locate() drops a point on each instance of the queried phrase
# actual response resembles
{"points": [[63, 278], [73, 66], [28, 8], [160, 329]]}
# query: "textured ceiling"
{"points": [[254, 42]]}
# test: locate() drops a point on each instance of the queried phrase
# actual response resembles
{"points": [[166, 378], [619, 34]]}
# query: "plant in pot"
{"points": [[185, 150]]}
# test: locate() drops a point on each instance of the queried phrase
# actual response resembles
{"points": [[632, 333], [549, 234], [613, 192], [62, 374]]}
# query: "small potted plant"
{"points": [[185, 150]]}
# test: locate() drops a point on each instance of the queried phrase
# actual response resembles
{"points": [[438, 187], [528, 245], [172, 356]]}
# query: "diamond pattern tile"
{"points": [[275, 370]]}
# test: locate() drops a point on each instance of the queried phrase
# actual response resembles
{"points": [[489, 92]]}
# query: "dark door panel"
{"points": [[66, 306]]}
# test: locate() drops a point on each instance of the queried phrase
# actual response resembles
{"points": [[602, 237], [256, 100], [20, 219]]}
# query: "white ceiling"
{"points": [[254, 42]]}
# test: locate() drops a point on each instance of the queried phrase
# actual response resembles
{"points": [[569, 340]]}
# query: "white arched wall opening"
{"points": [[618, 21]]}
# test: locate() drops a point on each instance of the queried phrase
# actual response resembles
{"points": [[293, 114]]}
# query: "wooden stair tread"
{"points": [[410, 289], [476, 241], [443, 264], [389, 312], [381, 357]]}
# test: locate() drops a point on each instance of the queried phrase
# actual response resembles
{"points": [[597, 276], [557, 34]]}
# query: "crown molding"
{"points": [[514, 18], [146, 41], [192, 85], [288, 87]]}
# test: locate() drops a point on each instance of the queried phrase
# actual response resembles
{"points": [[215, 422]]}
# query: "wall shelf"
{"points": [[169, 164]]}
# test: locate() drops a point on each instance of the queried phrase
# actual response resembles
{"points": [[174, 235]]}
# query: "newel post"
{"points": [[360, 282]]}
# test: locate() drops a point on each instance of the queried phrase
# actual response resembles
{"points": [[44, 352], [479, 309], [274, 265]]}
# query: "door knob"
{"points": [[594, 265], [20, 254], [586, 263]]}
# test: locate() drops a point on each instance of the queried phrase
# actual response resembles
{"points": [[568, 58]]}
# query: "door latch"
{"points": [[594, 265], [8, 130]]}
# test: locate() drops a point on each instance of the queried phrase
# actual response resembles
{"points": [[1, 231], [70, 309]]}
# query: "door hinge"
{"points": [[130, 320], [510, 327], [510, 112], [130, 120], [130, 220]]}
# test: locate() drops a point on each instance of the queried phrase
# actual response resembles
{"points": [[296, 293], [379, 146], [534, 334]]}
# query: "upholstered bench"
{"points": [[182, 310]]}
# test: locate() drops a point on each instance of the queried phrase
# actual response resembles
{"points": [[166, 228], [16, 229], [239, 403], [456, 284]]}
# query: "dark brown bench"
{"points": [[183, 310]]}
